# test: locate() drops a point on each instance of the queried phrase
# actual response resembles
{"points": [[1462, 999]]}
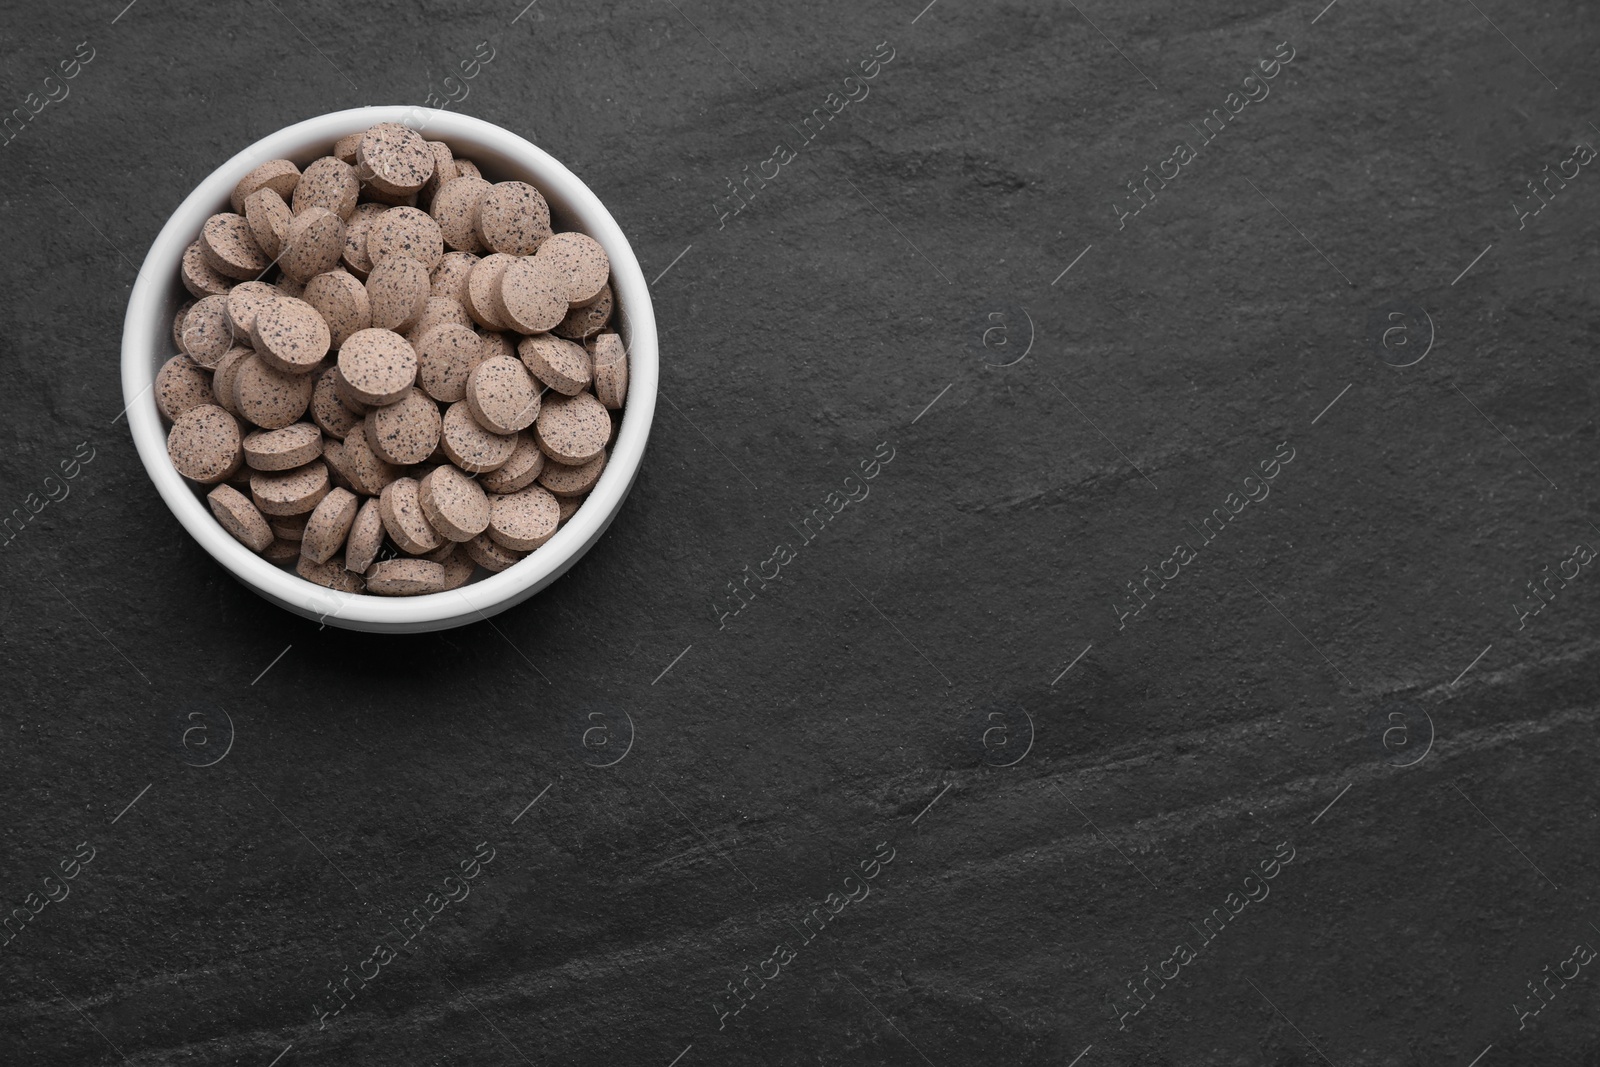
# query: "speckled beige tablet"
{"points": [[365, 537], [398, 290], [204, 444], [240, 517], [199, 277], [366, 471], [572, 429], [581, 262], [455, 209], [405, 231], [496, 343], [181, 386], [207, 333], [608, 361], [355, 256], [347, 396], [279, 175], [572, 481], [245, 302], [466, 168], [269, 397], [328, 525], [331, 574], [342, 302], [268, 218], [378, 365], [513, 218], [314, 243], [403, 518], [470, 446], [291, 336], [338, 472], [449, 278], [446, 358], [289, 286], [230, 248], [372, 194], [177, 323], [561, 364], [454, 504], [524, 520], [406, 431], [444, 170], [533, 295], [345, 149], [458, 568], [281, 551], [519, 471], [502, 395], [328, 183], [326, 410], [405, 577], [443, 552], [569, 506], [223, 374], [288, 527], [293, 492], [483, 291], [438, 311], [283, 449], [488, 555], [394, 158], [582, 323]]}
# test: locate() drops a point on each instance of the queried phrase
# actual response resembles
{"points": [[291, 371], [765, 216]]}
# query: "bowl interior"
{"points": [[501, 155]]}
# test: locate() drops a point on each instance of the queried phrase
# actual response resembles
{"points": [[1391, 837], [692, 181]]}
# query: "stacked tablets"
{"points": [[393, 372]]}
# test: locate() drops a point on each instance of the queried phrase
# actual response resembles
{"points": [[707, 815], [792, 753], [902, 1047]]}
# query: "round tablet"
{"points": [[533, 294], [268, 218], [449, 278], [230, 248], [398, 290], [466, 168], [502, 395], [223, 374], [345, 148], [291, 336], [405, 577], [240, 517], [524, 520], [177, 324], [570, 481], [483, 291], [287, 527], [488, 555], [313, 244], [572, 429], [470, 446], [584, 322], [569, 506], [284, 448], [245, 302], [403, 518], [289, 286], [561, 364], [365, 537], [341, 301], [378, 365], [331, 574], [458, 568], [406, 431], [204, 445], [444, 169], [355, 238], [326, 410], [199, 277], [269, 397], [438, 311], [405, 231], [455, 209], [497, 344], [328, 526], [207, 333], [513, 218], [454, 504], [338, 472], [328, 183], [446, 357], [366, 471], [519, 471], [281, 551], [394, 158], [608, 360], [181, 386], [581, 262], [279, 175], [347, 397], [290, 492]]}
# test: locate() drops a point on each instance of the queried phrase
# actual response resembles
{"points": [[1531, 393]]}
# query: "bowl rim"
{"points": [[143, 330]]}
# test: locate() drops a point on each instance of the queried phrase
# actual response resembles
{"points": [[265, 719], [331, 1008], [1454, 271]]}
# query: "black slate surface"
{"points": [[949, 675]]}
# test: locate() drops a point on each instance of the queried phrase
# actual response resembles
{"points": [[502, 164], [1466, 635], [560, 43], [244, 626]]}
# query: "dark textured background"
{"points": [[825, 718]]}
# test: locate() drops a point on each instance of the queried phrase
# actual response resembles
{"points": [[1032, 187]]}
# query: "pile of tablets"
{"points": [[393, 372]]}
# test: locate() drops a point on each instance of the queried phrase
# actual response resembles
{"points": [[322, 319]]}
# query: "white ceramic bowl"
{"points": [[502, 155]]}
